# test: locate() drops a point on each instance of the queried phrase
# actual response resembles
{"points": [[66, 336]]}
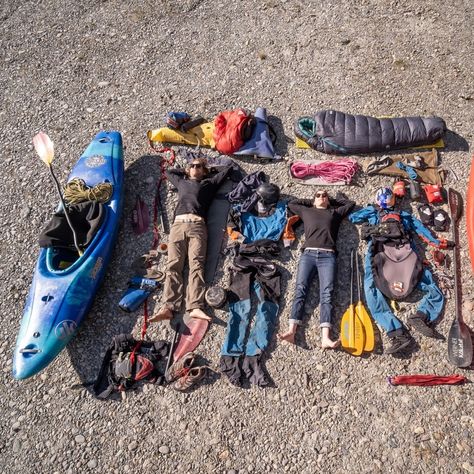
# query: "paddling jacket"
{"points": [[321, 226], [371, 214], [195, 197], [249, 227]]}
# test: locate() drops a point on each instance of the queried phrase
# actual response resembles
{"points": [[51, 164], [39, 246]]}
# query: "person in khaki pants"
{"points": [[188, 238]]}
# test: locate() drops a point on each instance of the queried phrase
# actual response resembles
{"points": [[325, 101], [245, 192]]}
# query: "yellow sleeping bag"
{"points": [[200, 135]]}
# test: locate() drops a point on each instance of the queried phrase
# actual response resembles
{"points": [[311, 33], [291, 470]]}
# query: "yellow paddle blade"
{"points": [[364, 317], [352, 332]]}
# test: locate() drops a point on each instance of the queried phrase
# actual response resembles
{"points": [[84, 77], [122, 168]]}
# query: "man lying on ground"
{"points": [[188, 238]]}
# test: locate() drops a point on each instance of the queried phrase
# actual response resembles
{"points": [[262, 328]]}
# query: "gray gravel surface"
{"points": [[72, 68]]}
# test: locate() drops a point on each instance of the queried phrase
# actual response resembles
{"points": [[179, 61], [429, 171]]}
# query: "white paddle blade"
{"points": [[44, 147]]}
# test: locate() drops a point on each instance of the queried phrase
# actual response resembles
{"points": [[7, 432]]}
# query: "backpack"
{"points": [[396, 267], [127, 362]]}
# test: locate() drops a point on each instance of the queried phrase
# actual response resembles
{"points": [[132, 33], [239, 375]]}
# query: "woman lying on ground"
{"points": [[188, 238], [321, 219]]}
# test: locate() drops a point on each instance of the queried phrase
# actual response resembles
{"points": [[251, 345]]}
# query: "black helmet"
{"points": [[268, 193]]}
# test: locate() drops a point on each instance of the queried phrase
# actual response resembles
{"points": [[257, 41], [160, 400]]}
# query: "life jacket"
{"points": [[231, 129], [396, 267], [128, 362]]}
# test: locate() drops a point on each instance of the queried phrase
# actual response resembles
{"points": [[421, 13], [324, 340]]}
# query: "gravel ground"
{"points": [[72, 68]]}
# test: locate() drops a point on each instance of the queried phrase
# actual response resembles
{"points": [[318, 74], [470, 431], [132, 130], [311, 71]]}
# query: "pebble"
{"points": [[103, 83], [468, 305], [468, 467], [16, 446], [164, 449], [16, 426], [92, 464], [132, 446], [25, 212], [419, 430], [79, 439]]}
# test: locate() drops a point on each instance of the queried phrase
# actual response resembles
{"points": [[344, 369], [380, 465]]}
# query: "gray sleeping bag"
{"points": [[339, 133]]}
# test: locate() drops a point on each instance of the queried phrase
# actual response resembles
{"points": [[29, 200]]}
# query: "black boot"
{"points": [[399, 339], [419, 321]]}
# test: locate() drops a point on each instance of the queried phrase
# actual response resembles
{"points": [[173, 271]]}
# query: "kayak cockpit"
{"points": [[60, 259]]}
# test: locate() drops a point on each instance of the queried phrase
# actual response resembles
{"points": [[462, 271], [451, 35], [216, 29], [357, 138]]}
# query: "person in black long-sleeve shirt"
{"points": [[321, 219], [188, 238]]}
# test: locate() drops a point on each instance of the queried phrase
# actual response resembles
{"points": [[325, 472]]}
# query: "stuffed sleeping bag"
{"points": [[339, 133]]}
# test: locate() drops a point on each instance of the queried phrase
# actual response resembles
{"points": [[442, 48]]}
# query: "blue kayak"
{"points": [[64, 285]]}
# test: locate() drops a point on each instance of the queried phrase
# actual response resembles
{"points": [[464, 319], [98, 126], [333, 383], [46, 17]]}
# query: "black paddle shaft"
{"points": [[455, 207], [352, 276]]}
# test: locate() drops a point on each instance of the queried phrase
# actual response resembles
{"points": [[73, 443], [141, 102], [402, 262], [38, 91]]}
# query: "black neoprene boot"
{"points": [[399, 339], [420, 322]]}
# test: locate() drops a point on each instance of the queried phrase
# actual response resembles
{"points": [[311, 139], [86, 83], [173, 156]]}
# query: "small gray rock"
{"points": [[92, 464], [16, 446], [164, 450], [79, 439]]}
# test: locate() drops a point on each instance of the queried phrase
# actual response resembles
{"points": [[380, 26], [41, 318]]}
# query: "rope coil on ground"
{"points": [[329, 171]]}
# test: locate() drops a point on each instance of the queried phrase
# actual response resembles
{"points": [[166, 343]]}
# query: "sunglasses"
{"points": [[321, 195], [195, 165]]}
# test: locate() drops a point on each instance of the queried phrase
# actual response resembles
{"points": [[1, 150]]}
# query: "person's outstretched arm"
{"points": [[297, 205], [343, 204], [219, 177], [366, 214], [414, 224], [175, 175]]}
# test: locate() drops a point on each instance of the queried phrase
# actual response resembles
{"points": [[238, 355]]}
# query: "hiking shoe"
{"points": [[418, 322], [181, 367], [191, 377], [398, 342]]}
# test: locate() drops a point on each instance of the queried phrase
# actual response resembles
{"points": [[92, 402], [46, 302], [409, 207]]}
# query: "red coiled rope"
{"points": [[329, 171]]}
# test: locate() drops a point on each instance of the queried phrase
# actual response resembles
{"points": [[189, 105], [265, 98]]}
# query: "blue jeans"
{"points": [[431, 304], [239, 322], [324, 264]]}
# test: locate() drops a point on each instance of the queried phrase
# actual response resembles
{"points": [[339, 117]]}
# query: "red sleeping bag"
{"points": [[231, 128]]}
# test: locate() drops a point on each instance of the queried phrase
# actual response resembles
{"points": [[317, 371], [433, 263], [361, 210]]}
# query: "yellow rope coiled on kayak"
{"points": [[77, 191]]}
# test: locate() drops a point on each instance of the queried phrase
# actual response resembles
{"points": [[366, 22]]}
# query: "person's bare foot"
{"points": [[164, 314], [327, 343], [288, 336], [198, 313]]}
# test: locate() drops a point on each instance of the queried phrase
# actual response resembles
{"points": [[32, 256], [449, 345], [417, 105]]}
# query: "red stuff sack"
{"points": [[231, 129], [434, 193]]}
